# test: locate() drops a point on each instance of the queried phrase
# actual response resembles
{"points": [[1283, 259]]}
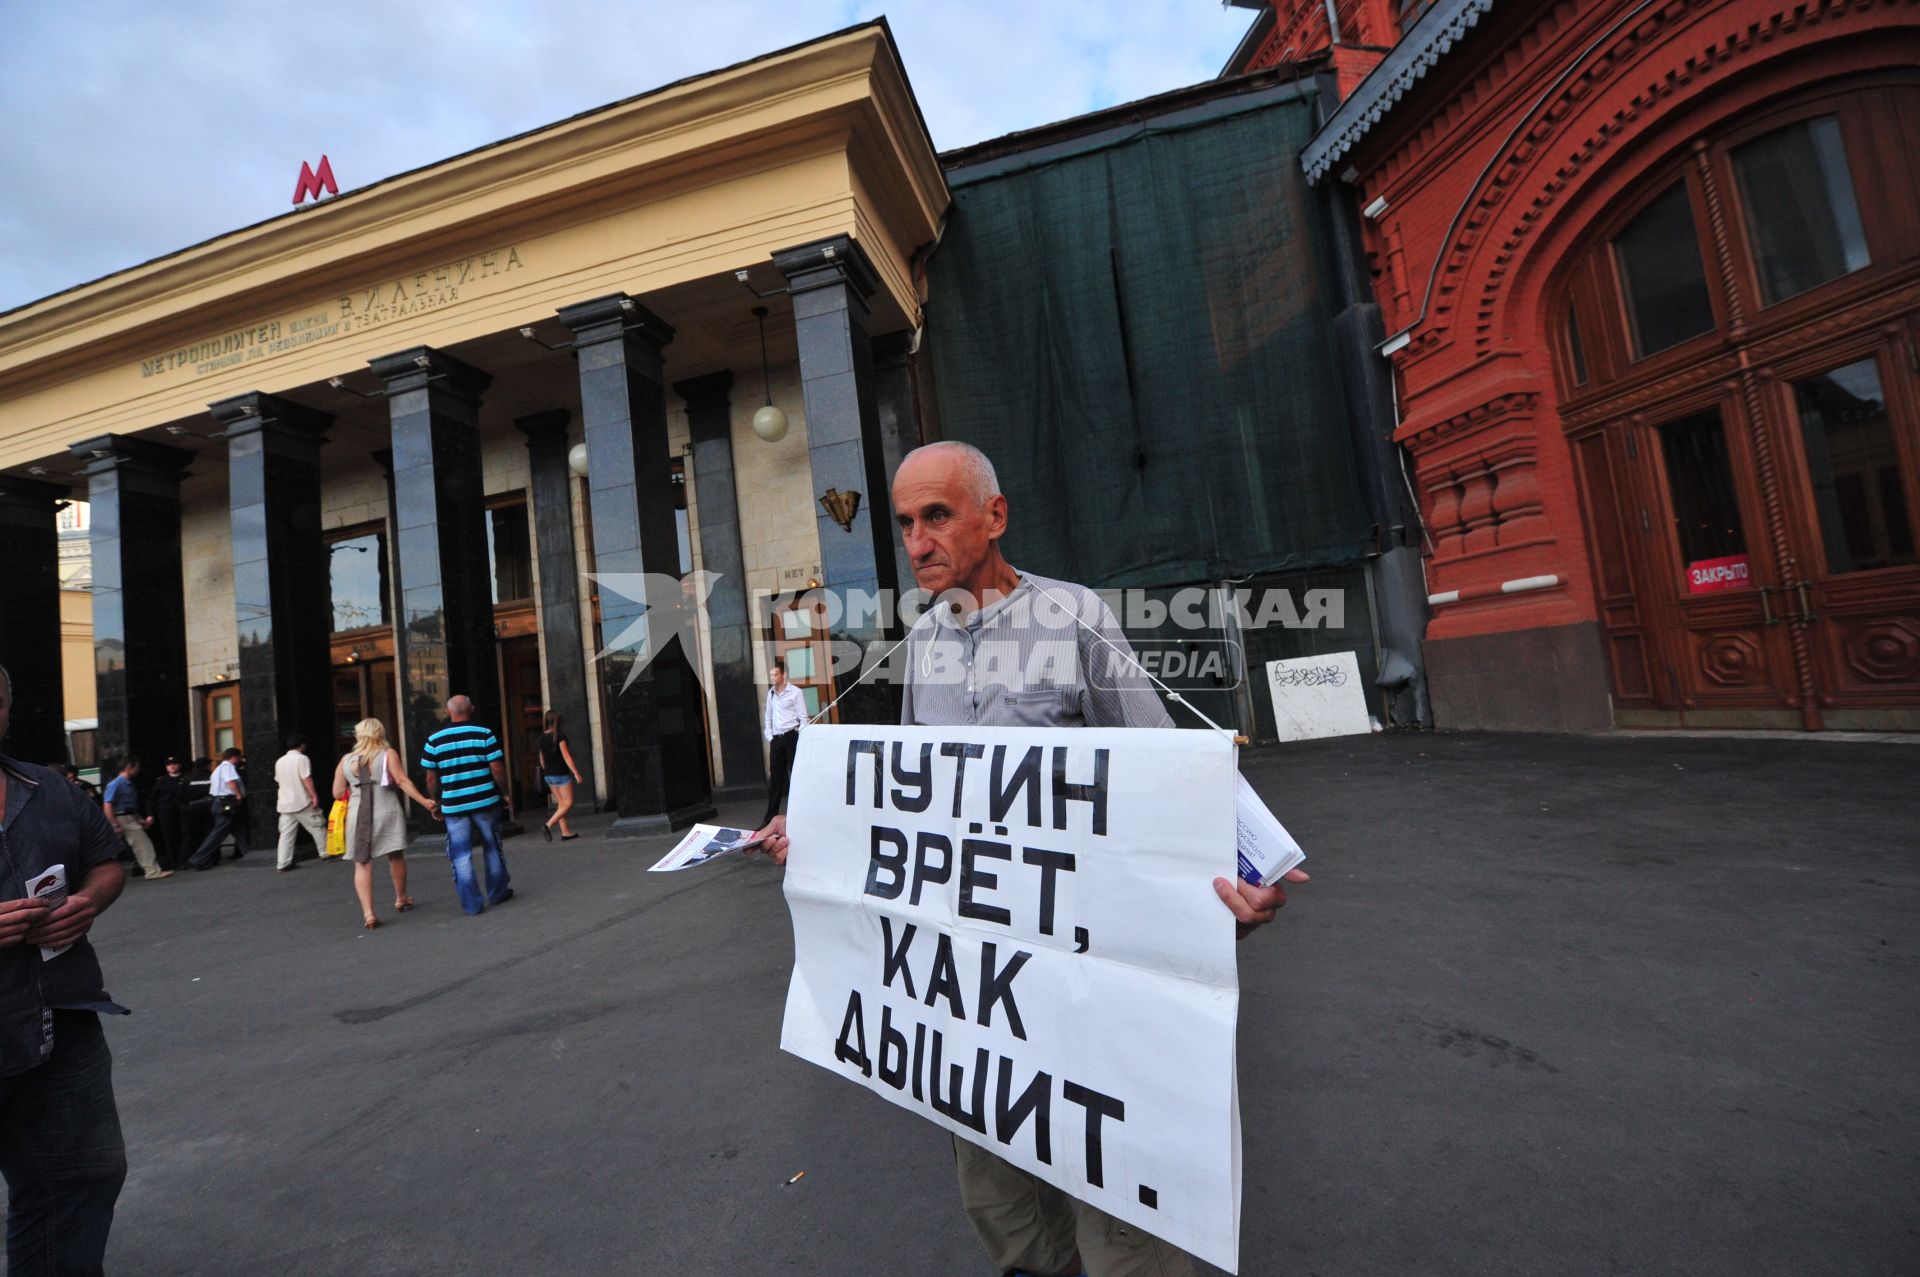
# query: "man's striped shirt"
{"points": [[463, 754]]}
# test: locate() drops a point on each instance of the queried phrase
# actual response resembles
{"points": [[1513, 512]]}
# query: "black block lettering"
{"points": [[893, 1051], [1037, 1099], [893, 866], [1026, 775], [960, 752], [943, 981], [852, 1046], [973, 878], [1049, 863], [997, 986], [1098, 1106], [923, 871], [951, 1103], [894, 960], [1095, 792], [920, 781], [855, 748]]}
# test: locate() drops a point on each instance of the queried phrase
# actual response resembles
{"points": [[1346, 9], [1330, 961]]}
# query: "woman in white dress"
{"points": [[371, 779]]}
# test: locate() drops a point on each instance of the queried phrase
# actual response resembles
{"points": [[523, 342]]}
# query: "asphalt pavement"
{"points": [[1556, 1005]]}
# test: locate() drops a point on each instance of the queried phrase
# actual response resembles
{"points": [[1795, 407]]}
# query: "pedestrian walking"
{"points": [[371, 779], [169, 803], [947, 501], [465, 772], [226, 790], [297, 803], [61, 1150], [121, 805], [560, 773], [786, 714]]}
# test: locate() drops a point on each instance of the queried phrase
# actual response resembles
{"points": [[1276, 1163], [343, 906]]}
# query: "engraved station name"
{"points": [[399, 298]]}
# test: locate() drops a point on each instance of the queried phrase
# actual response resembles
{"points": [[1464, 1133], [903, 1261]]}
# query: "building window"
{"points": [[357, 567], [1706, 513], [1855, 469], [510, 552], [1576, 352], [1660, 273], [1802, 219]]}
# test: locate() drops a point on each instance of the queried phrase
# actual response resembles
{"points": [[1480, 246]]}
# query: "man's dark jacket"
{"points": [[47, 822]]}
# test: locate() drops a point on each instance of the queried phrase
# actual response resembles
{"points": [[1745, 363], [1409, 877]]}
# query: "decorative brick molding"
{"points": [[1496, 411], [1520, 180]]}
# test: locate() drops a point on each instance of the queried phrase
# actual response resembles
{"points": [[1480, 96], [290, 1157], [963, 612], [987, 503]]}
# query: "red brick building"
{"points": [[1650, 278]]}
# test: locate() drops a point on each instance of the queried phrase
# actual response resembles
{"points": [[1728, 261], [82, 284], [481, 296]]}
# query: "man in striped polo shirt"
{"points": [[465, 772]]}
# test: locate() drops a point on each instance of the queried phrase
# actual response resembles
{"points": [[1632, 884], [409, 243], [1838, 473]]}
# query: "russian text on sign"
{"points": [[1014, 934]]}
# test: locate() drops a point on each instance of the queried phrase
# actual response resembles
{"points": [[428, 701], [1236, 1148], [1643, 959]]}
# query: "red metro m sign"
{"points": [[311, 181]]}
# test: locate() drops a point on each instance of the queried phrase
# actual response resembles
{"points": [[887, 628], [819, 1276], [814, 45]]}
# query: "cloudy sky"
{"points": [[134, 129]]}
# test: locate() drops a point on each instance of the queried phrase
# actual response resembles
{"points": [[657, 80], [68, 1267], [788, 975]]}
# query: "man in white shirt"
{"points": [[786, 714], [298, 803], [226, 789]]}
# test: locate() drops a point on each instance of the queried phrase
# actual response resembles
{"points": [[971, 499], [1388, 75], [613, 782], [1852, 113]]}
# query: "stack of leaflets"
{"points": [[1267, 850]]}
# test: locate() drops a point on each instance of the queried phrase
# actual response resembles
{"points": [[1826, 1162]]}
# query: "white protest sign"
{"points": [[1013, 932]]}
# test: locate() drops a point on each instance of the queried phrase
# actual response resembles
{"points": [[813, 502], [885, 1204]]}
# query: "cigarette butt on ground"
{"points": [[797, 1178]]}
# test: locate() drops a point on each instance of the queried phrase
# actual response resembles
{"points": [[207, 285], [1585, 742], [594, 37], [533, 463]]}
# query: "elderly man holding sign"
{"points": [[1006, 649]]}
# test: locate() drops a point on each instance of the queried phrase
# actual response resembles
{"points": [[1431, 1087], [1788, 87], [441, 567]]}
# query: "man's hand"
{"points": [[66, 924], [1255, 906], [775, 844], [17, 917]]}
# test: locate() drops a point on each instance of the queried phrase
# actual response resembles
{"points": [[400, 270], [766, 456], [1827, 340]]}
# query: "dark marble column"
{"points": [[30, 618], [735, 696], [281, 600], [896, 394], [139, 601], [831, 282], [443, 627], [551, 493], [656, 733]]}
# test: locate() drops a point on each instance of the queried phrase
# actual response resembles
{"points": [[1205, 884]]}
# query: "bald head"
{"points": [[959, 467]]}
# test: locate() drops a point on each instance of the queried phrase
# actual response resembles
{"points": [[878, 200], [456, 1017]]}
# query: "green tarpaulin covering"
{"points": [[1136, 333]]}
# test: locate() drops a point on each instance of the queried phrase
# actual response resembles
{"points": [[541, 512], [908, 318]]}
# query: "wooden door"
{"points": [[1709, 579], [1847, 426], [223, 726], [799, 635]]}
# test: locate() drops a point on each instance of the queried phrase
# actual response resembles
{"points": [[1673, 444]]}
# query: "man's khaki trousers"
{"points": [[142, 847], [1032, 1227], [291, 823]]}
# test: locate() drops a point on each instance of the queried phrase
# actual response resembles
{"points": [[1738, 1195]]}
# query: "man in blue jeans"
{"points": [[467, 773], [60, 1145]]}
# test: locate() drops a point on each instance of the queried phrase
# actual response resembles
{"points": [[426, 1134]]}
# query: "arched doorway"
{"points": [[1737, 352]]}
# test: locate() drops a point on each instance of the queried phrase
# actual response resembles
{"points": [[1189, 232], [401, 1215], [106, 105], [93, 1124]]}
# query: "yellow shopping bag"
{"points": [[337, 830]]}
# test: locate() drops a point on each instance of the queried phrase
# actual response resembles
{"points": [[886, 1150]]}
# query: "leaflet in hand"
{"points": [[50, 886], [1267, 850], [702, 843]]}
